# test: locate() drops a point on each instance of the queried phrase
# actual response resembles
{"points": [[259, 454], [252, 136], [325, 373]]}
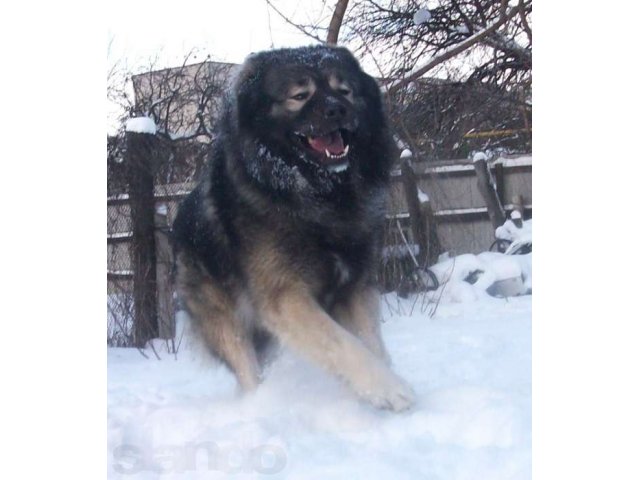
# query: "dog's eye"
{"points": [[301, 96], [344, 91]]}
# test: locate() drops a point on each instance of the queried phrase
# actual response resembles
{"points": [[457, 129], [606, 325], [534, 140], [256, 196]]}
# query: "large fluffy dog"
{"points": [[280, 240]]}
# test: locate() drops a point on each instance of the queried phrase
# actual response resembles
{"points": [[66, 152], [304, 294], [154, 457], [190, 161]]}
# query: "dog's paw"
{"points": [[388, 391], [400, 397]]}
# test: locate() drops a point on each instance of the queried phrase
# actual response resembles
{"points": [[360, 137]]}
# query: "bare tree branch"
{"points": [[523, 18], [293, 24], [452, 51]]}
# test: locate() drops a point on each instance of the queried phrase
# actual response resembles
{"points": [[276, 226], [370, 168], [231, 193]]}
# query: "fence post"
{"points": [[418, 224], [500, 181], [164, 262], [433, 242], [139, 156], [488, 190]]}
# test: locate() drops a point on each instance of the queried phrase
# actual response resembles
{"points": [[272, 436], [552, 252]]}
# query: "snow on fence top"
{"points": [[406, 153], [141, 125], [522, 160], [479, 156]]}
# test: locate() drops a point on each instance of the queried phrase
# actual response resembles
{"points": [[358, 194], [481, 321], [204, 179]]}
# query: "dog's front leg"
{"points": [[360, 314], [299, 322]]}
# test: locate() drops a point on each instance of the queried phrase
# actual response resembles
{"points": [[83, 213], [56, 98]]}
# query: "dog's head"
{"points": [[312, 106]]}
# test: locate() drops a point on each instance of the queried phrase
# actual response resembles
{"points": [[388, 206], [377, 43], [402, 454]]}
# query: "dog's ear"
{"points": [[369, 88], [378, 127], [246, 88], [371, 91]]}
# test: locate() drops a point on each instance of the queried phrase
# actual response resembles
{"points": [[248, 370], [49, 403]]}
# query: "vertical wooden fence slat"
{"points": [[500, 182], [418, 224], [434, 247], [164, 255], [489, 193]]}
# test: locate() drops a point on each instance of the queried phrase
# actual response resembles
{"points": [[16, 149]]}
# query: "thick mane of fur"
{"points": [[248, 177]]}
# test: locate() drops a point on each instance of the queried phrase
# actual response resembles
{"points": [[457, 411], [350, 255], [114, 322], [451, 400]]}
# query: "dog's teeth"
{"points": [[337, 155]]}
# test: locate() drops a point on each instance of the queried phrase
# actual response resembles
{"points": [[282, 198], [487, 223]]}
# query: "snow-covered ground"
{"points": [[470, 365]]}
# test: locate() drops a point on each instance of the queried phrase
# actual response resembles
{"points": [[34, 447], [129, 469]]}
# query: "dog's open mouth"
{"points": [[331, 148]]}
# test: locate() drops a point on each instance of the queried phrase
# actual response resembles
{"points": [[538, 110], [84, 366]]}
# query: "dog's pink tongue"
{"points": [[332, 142]]}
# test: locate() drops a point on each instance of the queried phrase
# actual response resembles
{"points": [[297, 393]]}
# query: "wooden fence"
{"points": [[460, 213], [448, 211]]}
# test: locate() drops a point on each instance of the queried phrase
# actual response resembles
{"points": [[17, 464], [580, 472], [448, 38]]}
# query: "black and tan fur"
{"points": [[279, 242]]}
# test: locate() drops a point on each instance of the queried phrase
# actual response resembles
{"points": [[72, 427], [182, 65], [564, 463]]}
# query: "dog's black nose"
{"points": [[334, 110]]}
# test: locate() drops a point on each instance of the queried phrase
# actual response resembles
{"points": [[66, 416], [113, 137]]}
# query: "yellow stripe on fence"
{"points": [[495, 133]]}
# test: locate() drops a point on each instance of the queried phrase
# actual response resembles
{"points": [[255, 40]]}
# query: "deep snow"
{"points": [[470, 365]]}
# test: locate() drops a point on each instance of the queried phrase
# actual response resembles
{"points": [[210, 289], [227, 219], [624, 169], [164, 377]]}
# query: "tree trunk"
{"points": [[336, 21]]}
